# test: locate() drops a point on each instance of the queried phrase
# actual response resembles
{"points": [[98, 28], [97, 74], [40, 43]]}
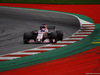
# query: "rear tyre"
{"points": [[53, 37], [59, 35]]}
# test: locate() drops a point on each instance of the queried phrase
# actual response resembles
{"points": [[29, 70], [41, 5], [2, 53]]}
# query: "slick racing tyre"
{"points": [[59, 35], [53, 37], [26, 41], [26, 38]]}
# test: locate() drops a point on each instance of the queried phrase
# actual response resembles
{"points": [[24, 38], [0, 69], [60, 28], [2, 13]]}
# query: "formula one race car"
{"points": [[44, 33]]}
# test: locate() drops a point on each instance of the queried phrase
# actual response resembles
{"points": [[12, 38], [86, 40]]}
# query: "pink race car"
{"points": [[45, 32]]}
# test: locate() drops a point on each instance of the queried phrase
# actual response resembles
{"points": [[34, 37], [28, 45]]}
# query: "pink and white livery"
{"points": [[45, 32]]}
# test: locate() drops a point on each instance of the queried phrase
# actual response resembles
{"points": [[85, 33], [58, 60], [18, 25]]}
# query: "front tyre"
{"points": [[25, 41], [26, 38]]}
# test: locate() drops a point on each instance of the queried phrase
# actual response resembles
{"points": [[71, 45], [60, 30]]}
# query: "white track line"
{"points": [[86, 30], [8, 58], [80, 35], [54, 45], [83, 33], [19, 53], [88, 25], [42, 49], [72, 38], [66, 41], [85, 22]]}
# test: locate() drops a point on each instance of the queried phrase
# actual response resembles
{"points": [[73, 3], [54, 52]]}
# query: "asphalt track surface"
{"points": [[14, 22]]}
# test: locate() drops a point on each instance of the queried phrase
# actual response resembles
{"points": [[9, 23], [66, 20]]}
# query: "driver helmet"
{"points": [[45, 25], [42, 30]]}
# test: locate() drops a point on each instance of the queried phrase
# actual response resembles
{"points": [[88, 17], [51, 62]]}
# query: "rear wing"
{"points": [[51, 27]]}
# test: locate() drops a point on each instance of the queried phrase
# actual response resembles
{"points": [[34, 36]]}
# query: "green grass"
{"points": [[52, 1]]}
